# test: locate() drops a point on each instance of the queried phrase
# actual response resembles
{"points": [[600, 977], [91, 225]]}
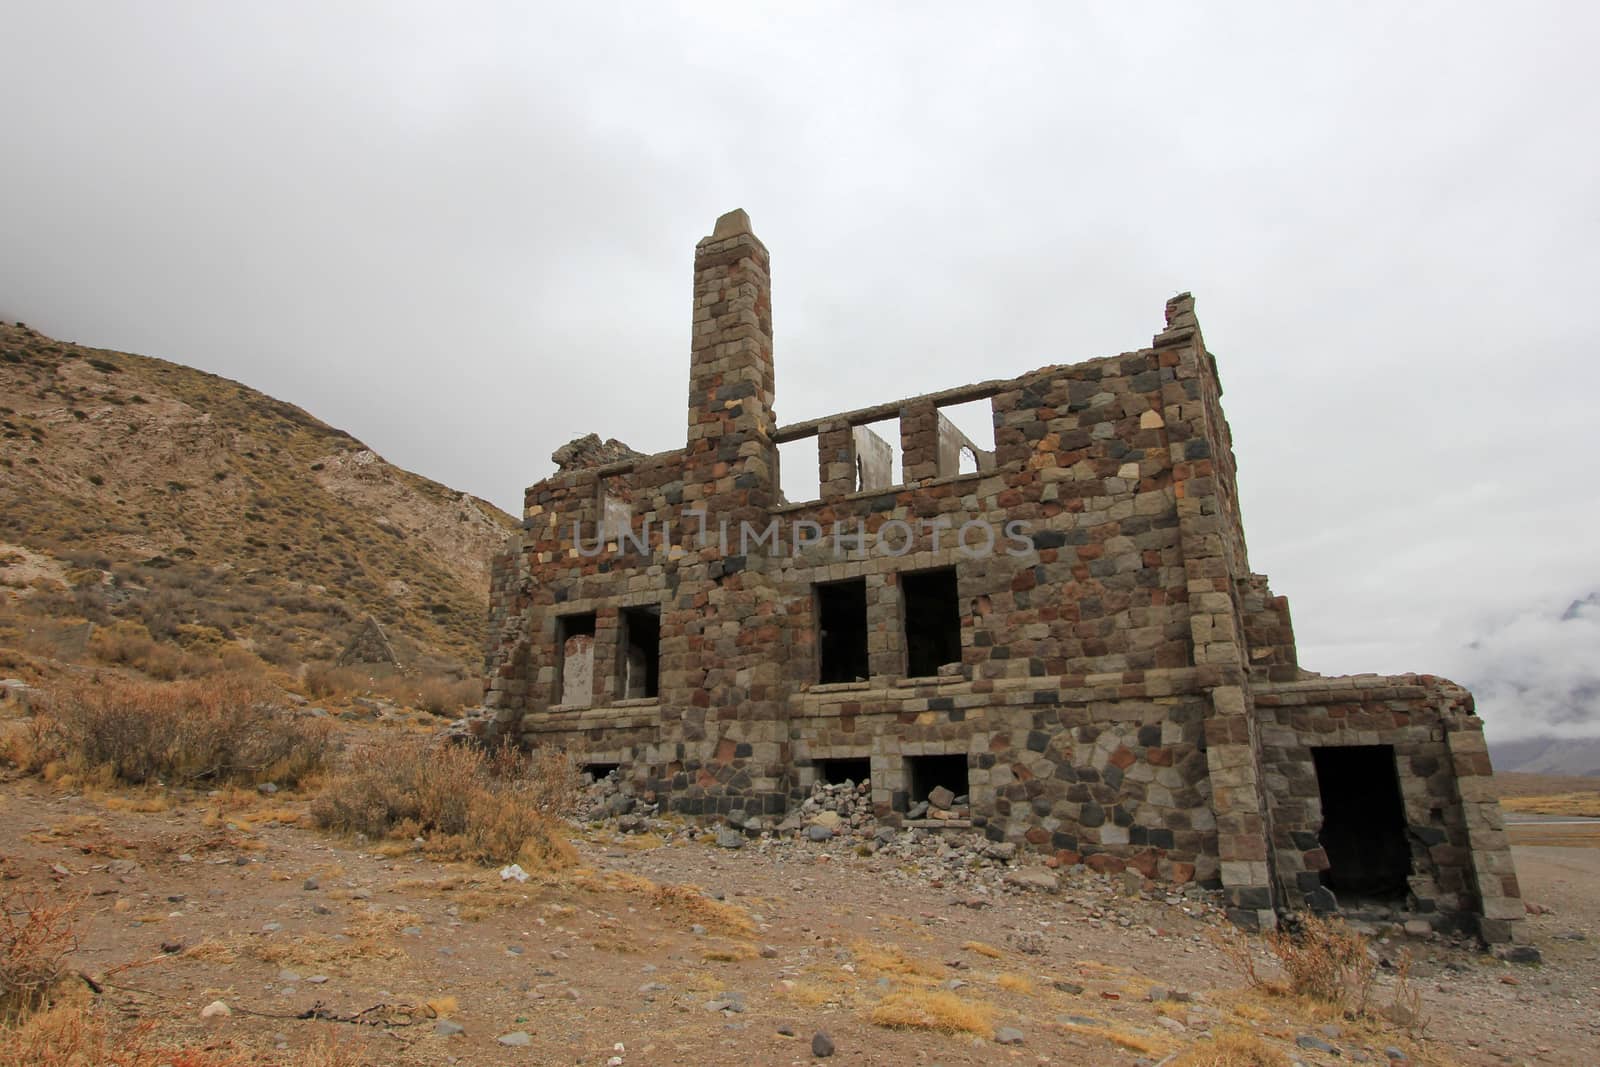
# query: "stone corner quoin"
{"points": [[1112, 685]]}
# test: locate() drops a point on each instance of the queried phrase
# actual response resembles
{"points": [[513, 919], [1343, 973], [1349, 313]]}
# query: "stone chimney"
{"points": [[730, 451]]}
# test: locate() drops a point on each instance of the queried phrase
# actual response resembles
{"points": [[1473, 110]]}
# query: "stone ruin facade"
{"points": [[1112, 685]]}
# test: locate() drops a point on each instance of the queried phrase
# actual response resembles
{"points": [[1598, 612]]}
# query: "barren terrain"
{"points": [[228, 898]]}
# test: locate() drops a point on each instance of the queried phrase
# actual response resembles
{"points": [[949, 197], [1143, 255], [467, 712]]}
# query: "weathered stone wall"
{"points": [[1123, 677], [1461, 872]]}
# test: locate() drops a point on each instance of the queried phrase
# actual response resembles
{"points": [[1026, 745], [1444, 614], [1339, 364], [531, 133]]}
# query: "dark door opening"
{"points": [[842, 631], [598, 771], [641, 652], [1363, 822], [933, 621], [839, 771], [923, 773]]}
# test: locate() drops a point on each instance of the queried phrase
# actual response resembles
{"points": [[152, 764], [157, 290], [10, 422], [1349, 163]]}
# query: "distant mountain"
{"points": [[1548, 755], [133, 488]]}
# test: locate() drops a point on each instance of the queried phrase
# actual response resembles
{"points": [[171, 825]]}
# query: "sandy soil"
{"points": [[210, 900]]}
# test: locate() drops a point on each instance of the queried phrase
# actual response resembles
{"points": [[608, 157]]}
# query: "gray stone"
{"points": [[941, 798], [818, 833], [821, 1045], [1519, 954], [727, 838], [1036, 878], [515, 1039], [446, 1028], [1312, 1043], [1008, 1035], [918, 810]]}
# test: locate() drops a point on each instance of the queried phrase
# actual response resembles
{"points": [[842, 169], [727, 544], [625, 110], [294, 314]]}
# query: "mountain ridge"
{"points": [[135, 489]]}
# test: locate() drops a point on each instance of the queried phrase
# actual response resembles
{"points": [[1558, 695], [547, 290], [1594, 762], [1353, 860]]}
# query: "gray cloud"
{"points": [[464, 235]]}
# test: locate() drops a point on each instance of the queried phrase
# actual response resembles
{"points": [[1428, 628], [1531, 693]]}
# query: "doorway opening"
{"points": [[926, 773], [1363, 822], [839, 771]]}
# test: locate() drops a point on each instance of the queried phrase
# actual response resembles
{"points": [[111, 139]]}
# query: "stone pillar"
{"points": [[919, 442], [836, 460], [1189, 419], [730, 447], [1500, 898]]}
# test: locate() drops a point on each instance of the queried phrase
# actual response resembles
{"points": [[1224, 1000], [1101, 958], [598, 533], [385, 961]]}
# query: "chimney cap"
{"points": [[732, 224]]}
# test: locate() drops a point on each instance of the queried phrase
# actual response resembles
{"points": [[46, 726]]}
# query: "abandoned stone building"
{"points": [[1063, 630]]}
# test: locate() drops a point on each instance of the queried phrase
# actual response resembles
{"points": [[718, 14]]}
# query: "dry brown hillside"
{"points": [[136, 489]]}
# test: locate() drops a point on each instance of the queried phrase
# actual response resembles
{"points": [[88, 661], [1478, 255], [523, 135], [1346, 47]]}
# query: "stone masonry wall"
{"points": [[1125, 691], [1461, 862]]}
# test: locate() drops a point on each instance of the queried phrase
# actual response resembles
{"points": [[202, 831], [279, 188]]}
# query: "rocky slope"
{"points": [[135, 488]]}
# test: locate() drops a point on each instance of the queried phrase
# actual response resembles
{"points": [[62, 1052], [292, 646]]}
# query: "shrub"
{"points": [[495, 807], [325, 681], [220, 729], [36, 936], [446, 696], [1326, 961]]}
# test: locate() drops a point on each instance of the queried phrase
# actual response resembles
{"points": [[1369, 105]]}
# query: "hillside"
{"points": [[1548, 755], [136, 489]]}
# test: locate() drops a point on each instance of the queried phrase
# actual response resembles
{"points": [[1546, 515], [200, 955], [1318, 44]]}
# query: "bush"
{"points": [[492, 807], [1326, 961], [325, 681], [441, 694], [36, 936], [219, 729]]}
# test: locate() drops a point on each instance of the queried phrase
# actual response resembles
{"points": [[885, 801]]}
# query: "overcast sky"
{"points": [[464, 233]]}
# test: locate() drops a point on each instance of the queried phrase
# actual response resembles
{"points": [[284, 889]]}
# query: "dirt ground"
{"points": [[226, 898]]}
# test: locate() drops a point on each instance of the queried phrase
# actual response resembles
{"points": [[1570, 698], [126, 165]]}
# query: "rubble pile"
{"points": [[608, 800]]}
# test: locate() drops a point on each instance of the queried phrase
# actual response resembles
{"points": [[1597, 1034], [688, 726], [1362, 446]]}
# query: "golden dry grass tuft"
{"points": [[688, 904], [890, 959], [1231, 1048], [1146, 1046], [488, 807], [982, 949], [1581, 804], [1015, 983], [938, 1010], [78, 1033]]}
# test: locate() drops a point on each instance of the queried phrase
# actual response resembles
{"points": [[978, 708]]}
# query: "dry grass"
{"points": [[220, 729], [1522, 784], [314, 950], [1327, 965], [327, 681], [77, 1033], [1015, 983], [1582, 805], [688, 904], [890, 959], [809, 994], [730, 952], [1231, 1048], [36, 937], [982, 949], [938, 1010], [1145, 1046], [212, 951], [491, 807]]}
